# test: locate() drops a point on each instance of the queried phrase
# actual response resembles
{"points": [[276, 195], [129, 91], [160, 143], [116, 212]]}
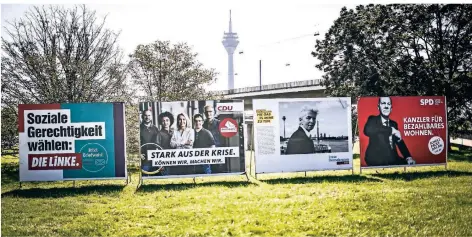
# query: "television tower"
{"points": [[230, 41]]}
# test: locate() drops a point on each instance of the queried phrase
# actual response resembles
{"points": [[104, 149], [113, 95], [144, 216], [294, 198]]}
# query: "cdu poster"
{"points": [[191, 138]]}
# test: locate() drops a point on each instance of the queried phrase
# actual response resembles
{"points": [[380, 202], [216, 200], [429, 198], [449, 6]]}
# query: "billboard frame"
{"points": [[244, 172], [349, 114], [406, 166], [126, 176]]}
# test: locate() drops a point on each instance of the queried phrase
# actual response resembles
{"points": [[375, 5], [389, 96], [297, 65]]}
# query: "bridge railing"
{"points": [[286, 85]]}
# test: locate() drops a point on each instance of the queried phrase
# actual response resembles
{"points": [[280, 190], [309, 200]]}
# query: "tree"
{"points": [[166, 72], [354, 123], [402, 50], [9, 128], [55, 54], [132, 130]]}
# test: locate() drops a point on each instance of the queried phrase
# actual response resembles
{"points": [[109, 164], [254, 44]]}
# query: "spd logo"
{"points": [[228, 127], [424, 102]]}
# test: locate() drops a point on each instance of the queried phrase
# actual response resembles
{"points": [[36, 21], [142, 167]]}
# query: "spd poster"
{"points": [[401, 131]]}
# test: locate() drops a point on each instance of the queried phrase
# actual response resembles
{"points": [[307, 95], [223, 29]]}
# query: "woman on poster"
{"points": [[183, 137]]}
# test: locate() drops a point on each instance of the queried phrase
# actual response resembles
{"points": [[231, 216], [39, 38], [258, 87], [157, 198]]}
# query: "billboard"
{"points": [[191, 138], [72, 141], [292, 135], [400, 131]]}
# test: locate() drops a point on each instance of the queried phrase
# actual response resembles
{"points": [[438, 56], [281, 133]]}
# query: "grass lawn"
{"points": [[425, 201]]}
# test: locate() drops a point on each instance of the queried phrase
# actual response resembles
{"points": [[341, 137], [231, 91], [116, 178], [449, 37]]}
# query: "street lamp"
{"points": [[284, 118]]}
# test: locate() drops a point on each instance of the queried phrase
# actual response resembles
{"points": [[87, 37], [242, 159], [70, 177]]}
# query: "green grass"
{"points": [[425, 201]]}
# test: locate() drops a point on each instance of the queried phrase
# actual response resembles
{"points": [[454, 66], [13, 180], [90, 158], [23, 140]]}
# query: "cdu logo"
{"points": [[230, 107], [225, 108], [228, 127]]}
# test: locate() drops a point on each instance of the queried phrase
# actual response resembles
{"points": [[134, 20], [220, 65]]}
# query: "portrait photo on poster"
{"points": [[313, 127], [385, 137]]}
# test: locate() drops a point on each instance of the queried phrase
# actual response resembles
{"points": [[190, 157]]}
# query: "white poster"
{"points": [[306, 134]]}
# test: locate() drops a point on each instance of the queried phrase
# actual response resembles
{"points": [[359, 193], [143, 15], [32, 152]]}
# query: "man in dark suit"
{"points": [[384, 137], [203, 139], [300, 142], [150, 139]]}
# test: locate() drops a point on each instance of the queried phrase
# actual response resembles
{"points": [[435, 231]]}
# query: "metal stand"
{"points": [[404, 169], [140, 180], [73, 183], [194, 181], [253, 151], [20, 185], [247, 177], [251, 157], [354, 135], [128, 179], [305, 173], [250, 162]]}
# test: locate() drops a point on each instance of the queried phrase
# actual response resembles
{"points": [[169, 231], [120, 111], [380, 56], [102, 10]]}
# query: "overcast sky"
{"points": [[277, 33]]}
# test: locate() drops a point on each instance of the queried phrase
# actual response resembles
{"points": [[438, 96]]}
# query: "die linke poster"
{"points": [[72, 141]]}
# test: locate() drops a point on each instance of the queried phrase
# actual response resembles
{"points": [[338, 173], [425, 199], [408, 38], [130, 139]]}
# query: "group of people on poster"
{"points": [[204, 134]]}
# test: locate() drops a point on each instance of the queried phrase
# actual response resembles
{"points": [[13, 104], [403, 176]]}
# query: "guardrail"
{"points": [[286, 85]]}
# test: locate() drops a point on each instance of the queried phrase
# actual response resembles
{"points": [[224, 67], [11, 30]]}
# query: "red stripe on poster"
{"points": [[23, 107], [61, 161]]}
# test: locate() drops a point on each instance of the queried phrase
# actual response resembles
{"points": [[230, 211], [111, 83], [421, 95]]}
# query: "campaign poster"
{"points": [[308, 134], [73, 141], [402, 131], [191, 138]]}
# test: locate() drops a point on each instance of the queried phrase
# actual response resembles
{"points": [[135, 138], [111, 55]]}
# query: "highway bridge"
{"points": [[295, 89]]}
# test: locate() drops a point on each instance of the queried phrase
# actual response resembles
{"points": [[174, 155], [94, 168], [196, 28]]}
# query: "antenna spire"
{"points": [[230, 24]]}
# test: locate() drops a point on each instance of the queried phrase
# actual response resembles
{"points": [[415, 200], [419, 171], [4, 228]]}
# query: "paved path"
{"points": [[464, 142], [356, 149]]}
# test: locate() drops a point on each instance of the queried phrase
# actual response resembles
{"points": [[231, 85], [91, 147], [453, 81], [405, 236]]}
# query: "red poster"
{"points": [[397, 131]]}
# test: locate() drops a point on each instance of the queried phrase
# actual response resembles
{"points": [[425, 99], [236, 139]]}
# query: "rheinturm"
{"points": [[230, 41]]}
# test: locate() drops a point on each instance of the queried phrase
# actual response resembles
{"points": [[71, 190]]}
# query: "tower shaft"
{"points": [[230, 71]]}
